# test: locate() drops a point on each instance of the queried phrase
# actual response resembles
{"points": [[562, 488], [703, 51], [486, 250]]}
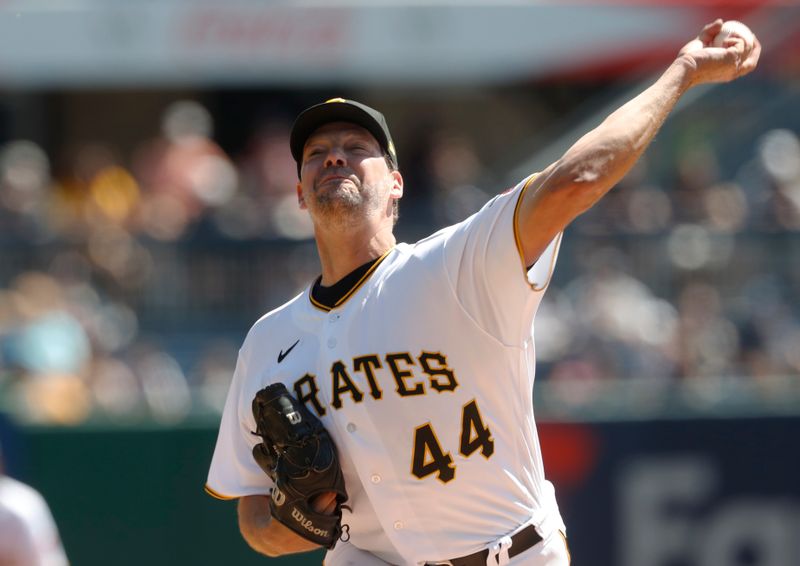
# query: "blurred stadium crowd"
{"points": [[128, 280]]}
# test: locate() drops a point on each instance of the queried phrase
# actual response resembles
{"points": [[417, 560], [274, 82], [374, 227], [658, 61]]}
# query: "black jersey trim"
{"points": [[518, 241], [318, 304], [353, 289]]}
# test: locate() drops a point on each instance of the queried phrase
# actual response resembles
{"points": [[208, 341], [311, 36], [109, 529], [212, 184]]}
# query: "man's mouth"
{"points": [[330, 178]]}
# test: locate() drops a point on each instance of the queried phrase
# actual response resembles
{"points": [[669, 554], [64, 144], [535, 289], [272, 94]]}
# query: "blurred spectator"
{"points": [[183, 172], [115, 388], [456, 173], [709, 341], [165, 387], [212, 375], [779, 156], [697, 169], [622, 329], [267, 203], [24, 185], [48, 348], [90, 191]]}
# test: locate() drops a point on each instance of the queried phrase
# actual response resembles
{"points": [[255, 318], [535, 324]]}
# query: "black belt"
{"points": [[520, 542]]}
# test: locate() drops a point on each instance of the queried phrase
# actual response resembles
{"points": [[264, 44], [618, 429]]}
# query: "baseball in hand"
{"points": [[735, 29]]}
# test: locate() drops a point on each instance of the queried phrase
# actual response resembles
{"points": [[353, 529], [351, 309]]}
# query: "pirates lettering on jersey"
{"points": [[364, 375], [309, 381], [342, 384], [398, 364], [428, 358], [368, 365]]}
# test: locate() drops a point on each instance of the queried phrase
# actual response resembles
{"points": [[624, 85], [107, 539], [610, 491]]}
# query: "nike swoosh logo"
{"points": [[282, 354]]}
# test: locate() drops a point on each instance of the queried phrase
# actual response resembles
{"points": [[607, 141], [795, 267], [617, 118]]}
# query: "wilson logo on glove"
{"points": [[307, 524], [278, 497]]}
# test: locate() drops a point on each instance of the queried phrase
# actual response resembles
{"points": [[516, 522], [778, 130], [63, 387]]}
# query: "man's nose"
{"points": [[335, 158]]}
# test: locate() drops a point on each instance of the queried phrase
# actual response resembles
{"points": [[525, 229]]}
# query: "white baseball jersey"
{"points": [[40, 541], [17, 547], [423, 375]]}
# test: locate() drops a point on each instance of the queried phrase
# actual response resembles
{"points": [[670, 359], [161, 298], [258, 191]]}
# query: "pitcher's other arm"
{"points": [[270, 537]]}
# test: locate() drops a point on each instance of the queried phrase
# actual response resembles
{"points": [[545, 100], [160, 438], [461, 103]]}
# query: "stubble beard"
{"points": [[346, 204]]}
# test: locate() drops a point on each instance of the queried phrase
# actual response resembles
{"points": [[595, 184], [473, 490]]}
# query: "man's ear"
{"points": [[397, 185], [300, 200]]}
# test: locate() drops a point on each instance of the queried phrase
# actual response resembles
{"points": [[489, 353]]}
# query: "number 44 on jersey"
{"points": [[430, 458]]}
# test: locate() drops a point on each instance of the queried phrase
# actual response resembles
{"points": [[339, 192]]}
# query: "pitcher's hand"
{"points": [[737, 56]]}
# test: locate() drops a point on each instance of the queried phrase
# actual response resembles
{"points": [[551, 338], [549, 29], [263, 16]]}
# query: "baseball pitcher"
{"points": [[385, 413]]}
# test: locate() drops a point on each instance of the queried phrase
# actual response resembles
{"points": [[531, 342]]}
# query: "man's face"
{"points": [[345, 175]]}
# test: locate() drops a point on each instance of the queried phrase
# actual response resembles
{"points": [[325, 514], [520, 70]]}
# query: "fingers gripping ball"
{"points": [[732, 28], [298, 454]]}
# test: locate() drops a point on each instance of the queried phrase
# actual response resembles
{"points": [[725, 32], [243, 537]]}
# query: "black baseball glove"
{"points": [[298, 454]]}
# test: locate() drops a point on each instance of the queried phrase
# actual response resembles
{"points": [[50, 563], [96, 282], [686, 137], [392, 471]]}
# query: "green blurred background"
{"points": [[134, 495]]}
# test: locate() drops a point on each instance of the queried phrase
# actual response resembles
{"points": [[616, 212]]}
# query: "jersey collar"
{"points": [[348, 291]]}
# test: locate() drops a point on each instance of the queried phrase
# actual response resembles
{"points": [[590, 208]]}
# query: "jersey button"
{"points": [[351, 427], [375, 478], [398, 525], [331, 342]]}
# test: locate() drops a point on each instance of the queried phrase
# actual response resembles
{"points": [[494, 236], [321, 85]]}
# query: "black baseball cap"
{"points": [[340, 110]]}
